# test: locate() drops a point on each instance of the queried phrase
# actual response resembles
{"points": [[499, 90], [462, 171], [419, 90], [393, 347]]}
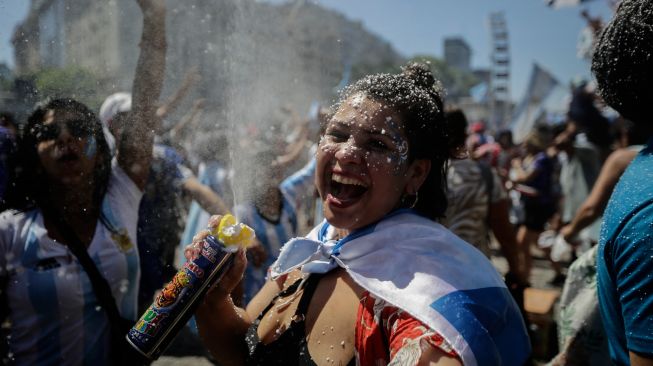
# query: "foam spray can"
{"points": [[177, 302]]}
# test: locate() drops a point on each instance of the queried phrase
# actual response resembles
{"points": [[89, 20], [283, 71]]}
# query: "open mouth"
{"points": [[344, 191], [68, 157]]}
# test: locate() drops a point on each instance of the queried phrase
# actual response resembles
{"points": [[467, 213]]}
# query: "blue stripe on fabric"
{"points": [[42, 292], [259, 229], [301, 180], [490, 322], [321, 235], [93, 322], [292, 216]]}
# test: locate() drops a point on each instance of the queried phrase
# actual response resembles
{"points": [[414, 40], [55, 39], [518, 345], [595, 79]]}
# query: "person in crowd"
{"points": [[380, 281], [630, 141], [67, 186], [160, 222], [213, 171], [532, 176], [476, 195], [579, 164], [621, 64], [581, 336], [272, 211], [507, 153], [586, 118]]}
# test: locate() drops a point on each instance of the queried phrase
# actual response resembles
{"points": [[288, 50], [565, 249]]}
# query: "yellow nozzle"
{"points": [[231, 232]]}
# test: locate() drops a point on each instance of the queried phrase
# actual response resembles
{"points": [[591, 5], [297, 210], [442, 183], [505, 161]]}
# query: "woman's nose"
{"points": [[65, 136], [349, 152]]}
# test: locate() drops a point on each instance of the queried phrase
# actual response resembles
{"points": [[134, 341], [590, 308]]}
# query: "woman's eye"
{"points": [[337, 136], [378, 145]]}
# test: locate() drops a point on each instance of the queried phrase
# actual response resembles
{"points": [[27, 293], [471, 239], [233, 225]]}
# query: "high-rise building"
{"points": [[457, 53]]}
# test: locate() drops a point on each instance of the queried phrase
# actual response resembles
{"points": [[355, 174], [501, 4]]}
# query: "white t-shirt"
{"points": [[55, 316]]}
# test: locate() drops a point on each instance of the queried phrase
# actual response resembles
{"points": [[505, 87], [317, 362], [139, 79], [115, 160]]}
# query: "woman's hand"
{"points": [[568, 233], [232, 277]]}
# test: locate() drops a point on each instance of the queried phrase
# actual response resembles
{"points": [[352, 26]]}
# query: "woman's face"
{"points": [[66, 147], [362, 164]]}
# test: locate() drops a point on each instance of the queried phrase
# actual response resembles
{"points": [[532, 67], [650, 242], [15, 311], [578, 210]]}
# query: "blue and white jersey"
{"points": [[55, 316], [273, 235]]}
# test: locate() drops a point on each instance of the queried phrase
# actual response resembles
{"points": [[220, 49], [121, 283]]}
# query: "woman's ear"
{"points": [[417, 173]]}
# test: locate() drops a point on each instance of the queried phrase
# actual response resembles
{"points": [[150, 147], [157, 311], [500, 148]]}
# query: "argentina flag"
{"points": [[421, 267]]}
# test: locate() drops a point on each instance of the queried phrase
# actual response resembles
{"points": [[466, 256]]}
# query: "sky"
{"points": [[537, 33]]}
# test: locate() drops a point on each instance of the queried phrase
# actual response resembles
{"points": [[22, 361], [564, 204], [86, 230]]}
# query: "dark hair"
{"points": [[417, 98], [27, 188], [8, 119], [626, 128], [504, 134], [623, 60], [456, 128]]}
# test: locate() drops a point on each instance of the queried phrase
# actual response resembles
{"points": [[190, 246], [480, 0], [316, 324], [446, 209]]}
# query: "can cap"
{"points": [[232, 232]]}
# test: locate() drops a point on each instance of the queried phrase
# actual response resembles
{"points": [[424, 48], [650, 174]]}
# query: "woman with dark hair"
{"points": [[378, 282], [67, 196]]}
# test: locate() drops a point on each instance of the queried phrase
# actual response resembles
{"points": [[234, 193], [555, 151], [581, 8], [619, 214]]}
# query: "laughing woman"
{"points": [[379, 282]]}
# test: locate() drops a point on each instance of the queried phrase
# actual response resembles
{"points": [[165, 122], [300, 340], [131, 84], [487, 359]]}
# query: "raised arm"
{"points": [[135, 146], [207, 199], [171, 104], [597, 200], [178, 131]]}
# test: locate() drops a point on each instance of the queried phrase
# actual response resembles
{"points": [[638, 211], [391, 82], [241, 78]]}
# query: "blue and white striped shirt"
{"points": [[55, 316]]}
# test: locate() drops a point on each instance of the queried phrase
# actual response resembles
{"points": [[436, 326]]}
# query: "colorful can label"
{"points": [[177, 301]]}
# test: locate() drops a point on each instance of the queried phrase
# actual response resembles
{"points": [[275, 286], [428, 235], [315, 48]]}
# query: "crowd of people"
{"points": [[376, 221]]}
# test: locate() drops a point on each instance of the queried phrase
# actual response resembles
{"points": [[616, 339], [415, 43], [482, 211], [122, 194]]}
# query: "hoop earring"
{"points": [[416, 199]]}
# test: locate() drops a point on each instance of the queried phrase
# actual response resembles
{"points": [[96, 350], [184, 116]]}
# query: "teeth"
{"points": [[346, 180]]}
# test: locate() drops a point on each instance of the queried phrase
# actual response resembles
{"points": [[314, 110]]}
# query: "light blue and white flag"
{"points": [[421, 267]]}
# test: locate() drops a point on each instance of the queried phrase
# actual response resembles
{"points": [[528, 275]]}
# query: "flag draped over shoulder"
{"points": [[424, 269]]}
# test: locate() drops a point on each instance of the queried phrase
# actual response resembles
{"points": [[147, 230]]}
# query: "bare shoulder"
{"points": [[620, 158]]}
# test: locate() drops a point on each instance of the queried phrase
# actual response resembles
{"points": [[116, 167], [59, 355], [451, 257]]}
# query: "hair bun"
{"points": [[420, 74]]}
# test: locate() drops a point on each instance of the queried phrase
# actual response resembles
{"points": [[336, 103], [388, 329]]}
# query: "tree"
{"points": [[70, 82]]}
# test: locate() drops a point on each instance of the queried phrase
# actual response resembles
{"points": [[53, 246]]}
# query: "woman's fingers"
{"points": [[214, 221], [193, 250], [233, 276]]}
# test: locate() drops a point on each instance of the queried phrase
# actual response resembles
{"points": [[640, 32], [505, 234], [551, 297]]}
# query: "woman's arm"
{"points": [[523, 175], [170, 105], [178, 131], [597, 200], [432, 356], [222, 325], [205, 196], [135, 145]]}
